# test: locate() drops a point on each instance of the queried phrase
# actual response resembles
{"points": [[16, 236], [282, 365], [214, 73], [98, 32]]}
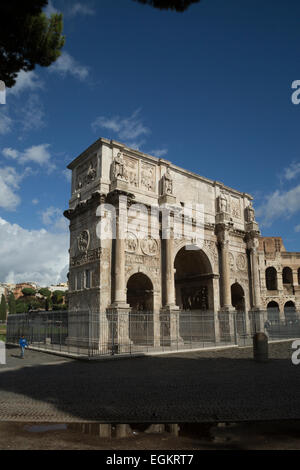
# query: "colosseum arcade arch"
{"points": [[271, 278], [273, 312], [193, 280], [290, 312]]}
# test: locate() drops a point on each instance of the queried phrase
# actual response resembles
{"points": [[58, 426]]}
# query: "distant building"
{"points": [[63, 287], [24, 285], [279, 277]]}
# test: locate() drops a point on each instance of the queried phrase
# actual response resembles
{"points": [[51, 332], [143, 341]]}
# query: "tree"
{"points": [[178, 5], [45, 292], [11, 304], [20, 307], [27, 38], [3, 308], [57, 297], [48, 304], [28, 291]]}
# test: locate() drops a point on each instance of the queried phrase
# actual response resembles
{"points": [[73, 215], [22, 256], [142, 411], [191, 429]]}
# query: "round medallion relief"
{"points": [[241, 262], [149, 246], [131, 242]]}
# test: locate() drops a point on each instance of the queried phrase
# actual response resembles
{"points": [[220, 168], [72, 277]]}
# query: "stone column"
{"points": [[120, 309], [170, 281], [225, 275], [255, 276], [226, 306], [216, 304], [120, 292], [256, 311], [170, 308], [156, 317]]}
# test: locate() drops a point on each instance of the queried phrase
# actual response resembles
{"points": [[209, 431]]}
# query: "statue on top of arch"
{"points": [[250, 213], [167, 183], [119, 170], [223, 203]]}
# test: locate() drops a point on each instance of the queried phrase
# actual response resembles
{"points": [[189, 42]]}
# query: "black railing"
{"points": [[90, 334]]}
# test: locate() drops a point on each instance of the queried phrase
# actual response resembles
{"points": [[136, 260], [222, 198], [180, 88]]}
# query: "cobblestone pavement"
{"points": [[203, 386]]}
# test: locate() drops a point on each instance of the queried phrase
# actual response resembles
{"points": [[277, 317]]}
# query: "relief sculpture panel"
{"points": [[147, 176], [86, 174]]}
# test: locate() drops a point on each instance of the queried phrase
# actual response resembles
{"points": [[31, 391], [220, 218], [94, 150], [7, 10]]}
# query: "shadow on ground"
{"points": [[191, 387]]}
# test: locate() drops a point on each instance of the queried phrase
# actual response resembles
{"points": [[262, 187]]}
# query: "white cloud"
{"points": [[279, 204], [49, 214], [38, 154], [32, 255], [79, 8], [159, 152], [25, 81], [32, 114], [68, 175], [53, 217], [35, 201], [297, 228], [66, 64], [292, 171], [50, 9], [9, 185], [126, 129], [5, 123]]}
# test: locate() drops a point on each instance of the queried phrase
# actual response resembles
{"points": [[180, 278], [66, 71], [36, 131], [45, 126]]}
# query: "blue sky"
{"points": [[209, 89]]}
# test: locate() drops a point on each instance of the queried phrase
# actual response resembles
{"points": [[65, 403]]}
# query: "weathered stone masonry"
{"points": [[230, 272]]}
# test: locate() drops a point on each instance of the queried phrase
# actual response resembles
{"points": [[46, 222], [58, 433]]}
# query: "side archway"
{"points": [[238, 302], [140, 299], [238, 297]]}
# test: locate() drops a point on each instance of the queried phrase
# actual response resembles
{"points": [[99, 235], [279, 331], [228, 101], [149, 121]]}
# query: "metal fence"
{"points": [[87, 334]]}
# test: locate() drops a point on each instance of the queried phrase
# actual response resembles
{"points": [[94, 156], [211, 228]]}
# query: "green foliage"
{"points": [[27, 37], [57, 307], [26, 303], [45, 292], [11, 304], [3, 308], [57, 297], [178, 5], [21, 307], [28, 291]]}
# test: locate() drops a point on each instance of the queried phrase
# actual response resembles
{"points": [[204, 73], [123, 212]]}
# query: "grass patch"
{"points": [[2, 332]]}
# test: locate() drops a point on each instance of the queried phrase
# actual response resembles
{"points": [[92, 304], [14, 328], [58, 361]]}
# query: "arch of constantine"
{"points": [[157, 270]]}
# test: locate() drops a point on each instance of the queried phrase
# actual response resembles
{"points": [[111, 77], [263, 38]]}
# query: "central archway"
{"points": [[194, 295], [140, 299]]}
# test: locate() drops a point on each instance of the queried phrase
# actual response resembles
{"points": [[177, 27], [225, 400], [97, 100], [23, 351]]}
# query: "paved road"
{"points": [[224, 385]]}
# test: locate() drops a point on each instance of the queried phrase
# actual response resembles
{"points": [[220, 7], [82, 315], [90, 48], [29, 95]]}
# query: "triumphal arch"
{"points": [[149, 237]]}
